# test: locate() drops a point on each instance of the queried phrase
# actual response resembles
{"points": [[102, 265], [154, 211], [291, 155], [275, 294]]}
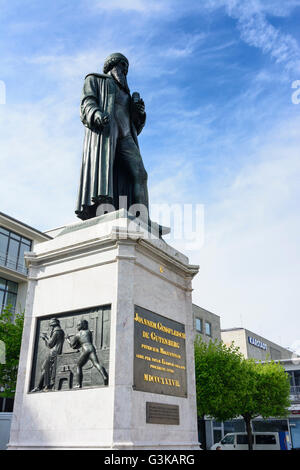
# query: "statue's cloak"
{"points": [[102, 176]]}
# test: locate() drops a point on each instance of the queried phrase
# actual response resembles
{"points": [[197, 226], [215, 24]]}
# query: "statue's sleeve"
{"points": [[89, 101], [53, 340], [139, 122]]}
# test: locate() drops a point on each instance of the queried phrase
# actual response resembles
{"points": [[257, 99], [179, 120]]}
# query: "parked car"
{"points": [[260, 440]]}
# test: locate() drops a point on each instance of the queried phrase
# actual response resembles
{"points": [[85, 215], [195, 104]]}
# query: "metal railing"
{"points": [[11, 262]]}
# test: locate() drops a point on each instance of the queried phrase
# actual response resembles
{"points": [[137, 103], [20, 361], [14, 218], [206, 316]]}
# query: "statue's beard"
{"points": [[121, 78]]}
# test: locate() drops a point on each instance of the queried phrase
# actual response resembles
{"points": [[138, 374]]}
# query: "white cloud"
{"points": [[250, 270], [141, 6], [187, 45], [257, 31], [38, 148], [249, 261]]}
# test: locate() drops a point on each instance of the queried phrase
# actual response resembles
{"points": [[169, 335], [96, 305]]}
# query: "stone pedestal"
{"points": [[111, 261]]}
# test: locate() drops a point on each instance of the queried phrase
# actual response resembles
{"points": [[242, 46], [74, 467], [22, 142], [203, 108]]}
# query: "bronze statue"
{"points": [[83, 341], [55, 344], [112, 165]]}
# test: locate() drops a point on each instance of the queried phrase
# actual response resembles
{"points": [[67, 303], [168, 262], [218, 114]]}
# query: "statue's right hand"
{"points": [[101, 119]]}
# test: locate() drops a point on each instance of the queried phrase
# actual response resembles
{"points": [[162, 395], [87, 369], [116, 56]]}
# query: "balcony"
{"points": [[295, 394], [11, 262]]}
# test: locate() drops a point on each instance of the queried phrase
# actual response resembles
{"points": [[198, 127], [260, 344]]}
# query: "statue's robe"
{"points": [[103, 178]]}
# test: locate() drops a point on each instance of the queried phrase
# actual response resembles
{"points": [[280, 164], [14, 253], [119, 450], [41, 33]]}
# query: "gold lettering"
{"points": [[138, 318], [156, 360], [169, 353], [162, 380], [159, 326], [166, 341], [150, 348]]}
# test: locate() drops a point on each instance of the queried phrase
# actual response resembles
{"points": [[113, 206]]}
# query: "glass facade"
{"points": [[8, 293], [295, 433], [269, 425], [6, 405], [294, 377], [220, 429], [237, 425], [12, 248]]}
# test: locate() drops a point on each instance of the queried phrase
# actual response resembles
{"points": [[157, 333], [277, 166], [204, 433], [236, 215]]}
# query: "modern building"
{"points": [[206, 324], [217, 430], [15, 239], [254, 346], [292, 367]]}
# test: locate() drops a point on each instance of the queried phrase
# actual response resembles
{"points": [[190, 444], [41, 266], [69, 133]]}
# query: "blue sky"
{"points": [[222, 131]]}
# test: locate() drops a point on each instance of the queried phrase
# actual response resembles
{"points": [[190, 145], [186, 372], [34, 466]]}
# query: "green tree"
{"points": [[217, 379], [229, 386], [264, 391], [11, 334]]}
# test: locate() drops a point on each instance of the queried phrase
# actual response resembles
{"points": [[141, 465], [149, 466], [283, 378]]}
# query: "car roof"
{"points": [[254, 432]]}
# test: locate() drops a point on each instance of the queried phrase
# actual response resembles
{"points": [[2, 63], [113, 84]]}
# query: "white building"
{"points": [[15, 239], [254, 346], [292, 367]]}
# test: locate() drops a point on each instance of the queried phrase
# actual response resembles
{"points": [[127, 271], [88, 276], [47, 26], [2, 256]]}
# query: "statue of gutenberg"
{"points": [[112, 165]]}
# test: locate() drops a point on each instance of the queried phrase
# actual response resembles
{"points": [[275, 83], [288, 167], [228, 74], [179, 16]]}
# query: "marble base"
{"points": [[106, 260]]}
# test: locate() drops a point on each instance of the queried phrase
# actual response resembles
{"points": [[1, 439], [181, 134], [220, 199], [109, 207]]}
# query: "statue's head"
{"points": [[82, 325], [116, 60], [54, 322]]}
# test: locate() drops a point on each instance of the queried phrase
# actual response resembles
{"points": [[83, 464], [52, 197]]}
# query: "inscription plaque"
{"points": [[159, 354], [71, 350], [160, 413]]}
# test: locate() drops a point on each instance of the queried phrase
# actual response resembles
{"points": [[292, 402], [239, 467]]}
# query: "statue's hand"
{"points": [[140, 106], [101, 119]]}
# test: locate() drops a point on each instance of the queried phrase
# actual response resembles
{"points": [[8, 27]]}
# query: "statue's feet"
{"points": [[158, 229], [77, 386], [105, 380], [36, 389]]}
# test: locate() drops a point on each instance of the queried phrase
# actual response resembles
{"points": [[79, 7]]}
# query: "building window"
{"points": [[6, 405], [207, 328], [8, 294], [297, 377], [199, 325], [236, 425], [220, 429], [12, 248], [269, 425]]}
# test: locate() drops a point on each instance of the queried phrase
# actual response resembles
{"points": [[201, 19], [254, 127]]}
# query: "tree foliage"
{"points": [[217, 379], [11, 328], [229, 386]]}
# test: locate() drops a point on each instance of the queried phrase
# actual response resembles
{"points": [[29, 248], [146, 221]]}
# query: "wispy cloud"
{"points": [[187, 43], [148, 7], [221, 130], [257, 31], [250, 260]]}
